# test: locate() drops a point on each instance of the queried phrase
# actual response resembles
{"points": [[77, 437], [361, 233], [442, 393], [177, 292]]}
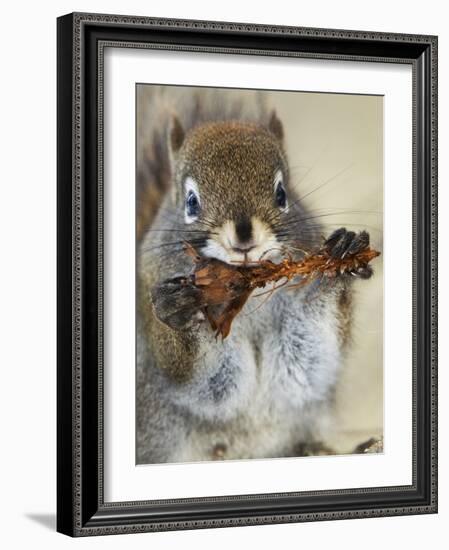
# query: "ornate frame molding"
{"points": [[81, 42]]}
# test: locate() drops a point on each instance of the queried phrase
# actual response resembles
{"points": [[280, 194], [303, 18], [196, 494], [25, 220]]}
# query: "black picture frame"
{"points": [[81, 509]]}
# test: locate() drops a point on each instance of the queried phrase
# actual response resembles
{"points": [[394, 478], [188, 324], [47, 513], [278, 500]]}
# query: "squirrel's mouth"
{"points": [[228, 245], [230, 256]]}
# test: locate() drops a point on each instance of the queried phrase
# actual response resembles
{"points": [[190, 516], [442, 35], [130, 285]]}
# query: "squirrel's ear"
{"points": [[176, 137], [275, 126]]}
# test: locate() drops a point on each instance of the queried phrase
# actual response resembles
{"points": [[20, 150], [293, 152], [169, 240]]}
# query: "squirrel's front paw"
{"points": [[177, 303], [344, 243]]}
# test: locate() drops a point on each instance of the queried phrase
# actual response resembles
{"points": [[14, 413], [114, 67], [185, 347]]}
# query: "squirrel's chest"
{"points": [[296, 352], [268, 378], [279, 359]]}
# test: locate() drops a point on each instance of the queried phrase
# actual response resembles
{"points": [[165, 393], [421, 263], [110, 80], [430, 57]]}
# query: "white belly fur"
{"points": [[271, 385]]}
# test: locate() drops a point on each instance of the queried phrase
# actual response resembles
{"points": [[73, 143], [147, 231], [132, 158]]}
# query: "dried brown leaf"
{"points": [[230, 286]]}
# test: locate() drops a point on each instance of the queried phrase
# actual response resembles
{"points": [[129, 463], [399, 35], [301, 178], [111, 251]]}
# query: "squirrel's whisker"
{"points": [[172, 243], [195, 231], [321, 185], [300, 220], [313, 228]]}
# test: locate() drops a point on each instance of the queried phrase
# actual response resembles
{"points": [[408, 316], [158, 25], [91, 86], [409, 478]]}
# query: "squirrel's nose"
{"points": [[242, 242], [244, 231]]}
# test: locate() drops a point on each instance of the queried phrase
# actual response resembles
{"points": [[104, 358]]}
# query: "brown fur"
{"points": [[345, 304], [233, 164]]}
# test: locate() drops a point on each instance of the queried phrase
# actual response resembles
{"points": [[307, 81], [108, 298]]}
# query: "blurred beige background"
{"points": [[335, 147], [337, 140]]}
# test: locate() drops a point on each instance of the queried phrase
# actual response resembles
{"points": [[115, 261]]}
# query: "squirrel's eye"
{"points": [[192, 205], [280, 196]]}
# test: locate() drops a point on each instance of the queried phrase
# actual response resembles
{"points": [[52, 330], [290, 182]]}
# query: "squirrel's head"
{"points": [[231, 181]]}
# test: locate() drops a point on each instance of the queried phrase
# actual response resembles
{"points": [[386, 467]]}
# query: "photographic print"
{"points": [[259, 302]]}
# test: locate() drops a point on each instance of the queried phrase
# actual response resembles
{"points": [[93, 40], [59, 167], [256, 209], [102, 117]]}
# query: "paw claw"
{"points": [[176, 302], [343, 243]]}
